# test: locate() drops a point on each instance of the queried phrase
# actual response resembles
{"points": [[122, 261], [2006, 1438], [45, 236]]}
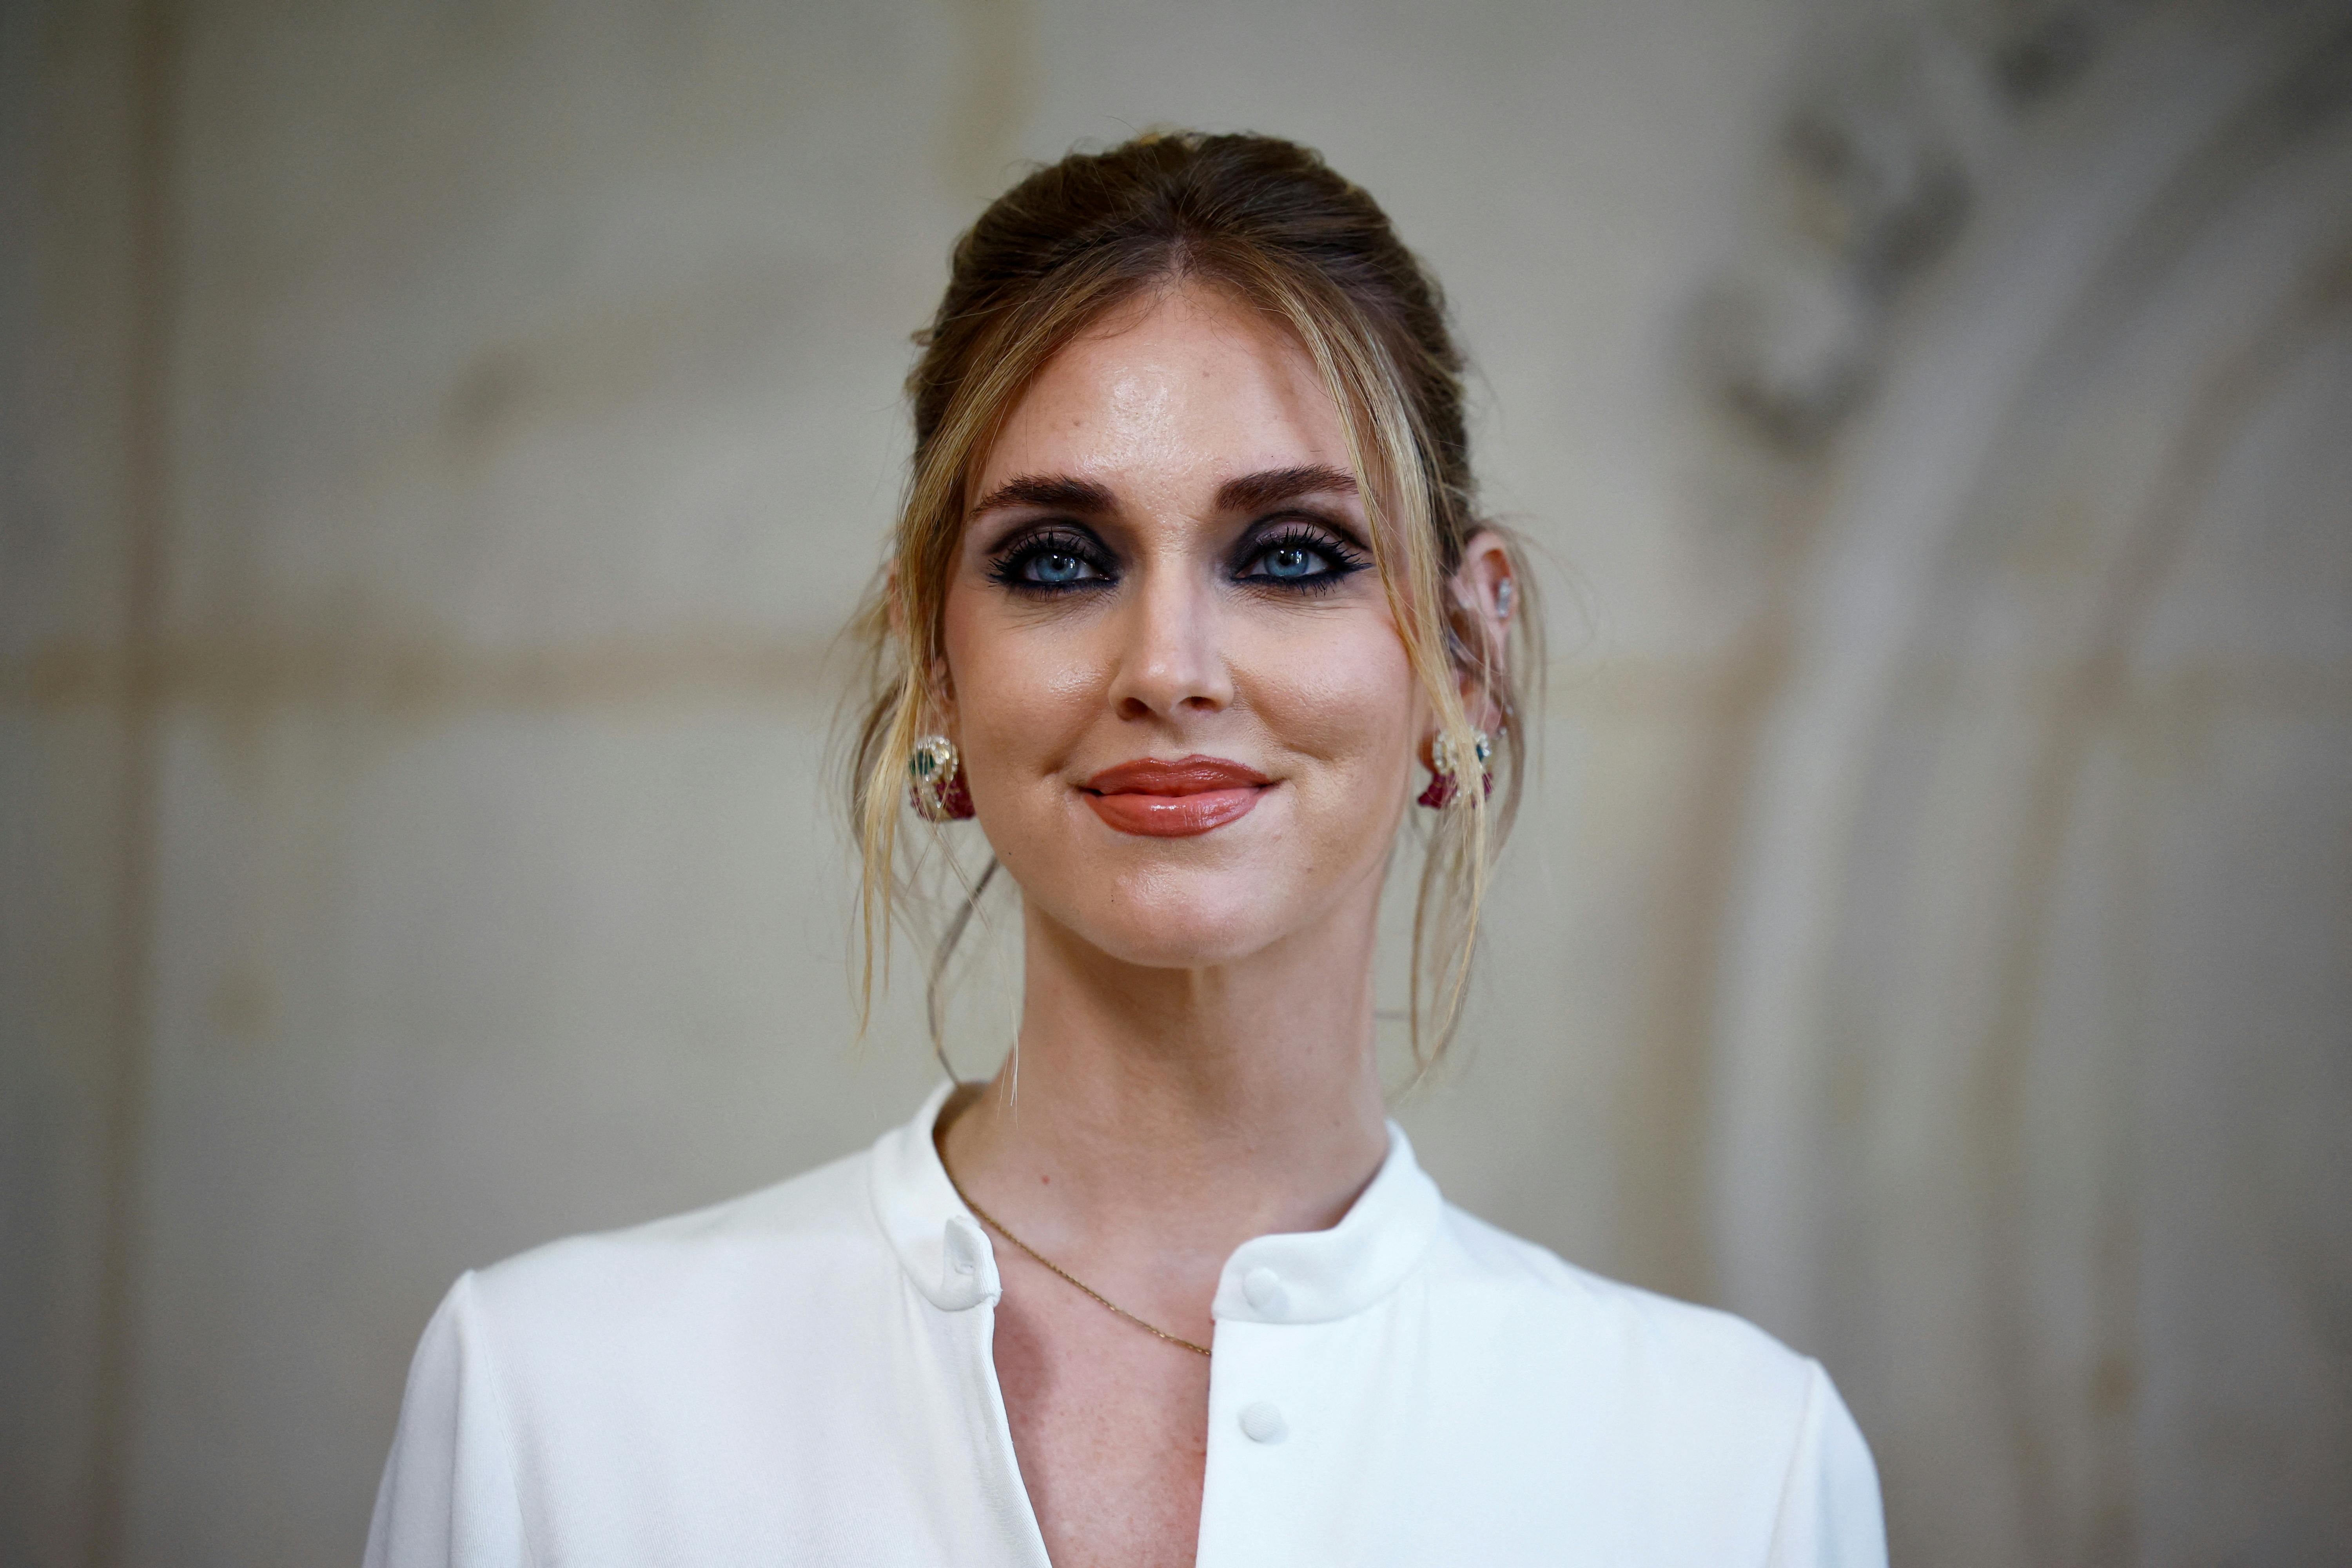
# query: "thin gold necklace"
{"points": [[997, 1226]]}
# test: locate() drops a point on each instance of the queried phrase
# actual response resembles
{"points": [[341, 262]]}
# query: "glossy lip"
{"points": [[1174, 799]]}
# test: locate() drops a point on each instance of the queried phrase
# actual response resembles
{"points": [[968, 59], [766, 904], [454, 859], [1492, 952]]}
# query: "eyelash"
{"points": [[1005, 569], [1345, 560], [1008, 568]]}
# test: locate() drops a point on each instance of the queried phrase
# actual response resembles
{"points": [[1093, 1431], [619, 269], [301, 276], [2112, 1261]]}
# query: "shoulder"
{"points": [[1688, 1413], [604, 1395], [753, 1254], [1671, 1362]]}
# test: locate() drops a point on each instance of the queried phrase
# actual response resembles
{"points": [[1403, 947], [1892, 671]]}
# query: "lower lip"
{"points": [[1175, 815]]}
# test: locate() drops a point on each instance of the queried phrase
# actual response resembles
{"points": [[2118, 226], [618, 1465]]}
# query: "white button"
{"points": [[1262, 1423], [1263, 1288]]}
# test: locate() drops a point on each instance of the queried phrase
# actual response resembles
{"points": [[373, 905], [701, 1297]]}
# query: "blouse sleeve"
{"points": [[448, 1497], [1830, 1514]]}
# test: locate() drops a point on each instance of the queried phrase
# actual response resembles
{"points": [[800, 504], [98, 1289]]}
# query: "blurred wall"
{"points": [[441, 443]]}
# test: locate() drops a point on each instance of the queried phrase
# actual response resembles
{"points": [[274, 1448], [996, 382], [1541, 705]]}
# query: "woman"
{"points": [[1188, 579]]}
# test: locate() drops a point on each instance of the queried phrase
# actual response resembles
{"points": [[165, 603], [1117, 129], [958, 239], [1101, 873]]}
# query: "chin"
{"points": [[1180, 918]]}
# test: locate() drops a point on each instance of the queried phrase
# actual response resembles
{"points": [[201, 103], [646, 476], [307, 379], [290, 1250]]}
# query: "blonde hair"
{"points": [[1268, 221]]}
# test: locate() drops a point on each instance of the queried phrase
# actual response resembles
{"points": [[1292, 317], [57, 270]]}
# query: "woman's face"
{"points": [[1187, 720]]}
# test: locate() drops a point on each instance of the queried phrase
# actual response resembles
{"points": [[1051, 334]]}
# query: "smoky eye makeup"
{"points": [[1295, 552], [1051, 557], [1298, 553]]}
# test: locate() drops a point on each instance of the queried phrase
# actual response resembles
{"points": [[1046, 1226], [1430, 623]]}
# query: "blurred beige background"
{"points": [[441, 440]]}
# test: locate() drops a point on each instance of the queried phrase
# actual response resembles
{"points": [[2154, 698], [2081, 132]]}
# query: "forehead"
{"points": [[1187, 385]]}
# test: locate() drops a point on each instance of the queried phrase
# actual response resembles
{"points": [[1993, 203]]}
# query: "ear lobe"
{"points": [[939, 695], [893, 607], [938, 685], [1485, 589]]}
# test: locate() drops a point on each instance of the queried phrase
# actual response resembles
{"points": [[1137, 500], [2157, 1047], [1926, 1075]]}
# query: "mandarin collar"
{"points": [[1301, 1276]]}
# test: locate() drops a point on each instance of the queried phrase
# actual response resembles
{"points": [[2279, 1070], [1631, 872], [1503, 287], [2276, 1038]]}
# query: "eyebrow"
{"points": [[1064, 492], [1252, 492], [1249, 492]]}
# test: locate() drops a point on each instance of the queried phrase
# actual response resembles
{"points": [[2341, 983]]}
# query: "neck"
{"points": [[1190, 1109]]}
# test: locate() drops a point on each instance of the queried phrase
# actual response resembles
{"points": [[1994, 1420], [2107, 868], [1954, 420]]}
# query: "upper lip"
{"points": [[1181, 776]]}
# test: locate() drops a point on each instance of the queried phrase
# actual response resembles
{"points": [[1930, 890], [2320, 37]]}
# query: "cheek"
{"points": [[1343, 697], [1023, 693]]}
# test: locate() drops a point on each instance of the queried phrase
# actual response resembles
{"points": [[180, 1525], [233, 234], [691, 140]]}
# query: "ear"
{"points": [[938, 685], [1484, 591], [939, 696], [893, 607]]}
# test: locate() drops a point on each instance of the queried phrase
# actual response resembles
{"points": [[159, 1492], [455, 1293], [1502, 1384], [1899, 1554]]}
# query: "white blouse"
{"points": [[805, 1376]]}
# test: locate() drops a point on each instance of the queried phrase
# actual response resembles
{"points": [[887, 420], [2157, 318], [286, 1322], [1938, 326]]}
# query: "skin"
{"points": [[1196, 1043]]}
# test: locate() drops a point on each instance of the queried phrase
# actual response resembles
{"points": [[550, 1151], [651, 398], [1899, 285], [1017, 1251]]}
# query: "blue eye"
{"points": [[1300, 558], [1047, 564], [1055, 567]]}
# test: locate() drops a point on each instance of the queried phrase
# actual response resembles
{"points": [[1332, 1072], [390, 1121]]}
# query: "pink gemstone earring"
{"points": [[1444, 770], [935, 782]]}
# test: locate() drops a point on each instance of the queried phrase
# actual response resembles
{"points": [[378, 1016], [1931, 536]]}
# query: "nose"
{"points": [[1170, 660]]}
